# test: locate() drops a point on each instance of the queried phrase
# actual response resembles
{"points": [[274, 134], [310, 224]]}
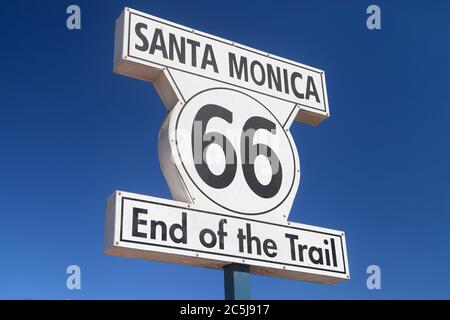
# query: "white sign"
{"points": [[157, 229], [146, 45], [227, 155]]}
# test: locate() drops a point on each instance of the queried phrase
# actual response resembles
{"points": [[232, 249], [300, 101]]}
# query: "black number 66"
{"points": [[249, 152]]}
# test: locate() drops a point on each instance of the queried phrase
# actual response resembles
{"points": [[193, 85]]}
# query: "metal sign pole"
{"points": [[237, 281]]}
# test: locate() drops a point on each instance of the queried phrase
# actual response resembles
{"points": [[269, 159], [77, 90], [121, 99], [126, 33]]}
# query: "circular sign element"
{"points": [[235, 151]]}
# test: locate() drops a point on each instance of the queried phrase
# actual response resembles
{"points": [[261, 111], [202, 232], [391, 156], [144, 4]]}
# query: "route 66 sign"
{"points": [[226, 152]]}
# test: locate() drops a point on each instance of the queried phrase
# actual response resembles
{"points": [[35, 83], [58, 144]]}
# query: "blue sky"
{"points": [[72, 132]]}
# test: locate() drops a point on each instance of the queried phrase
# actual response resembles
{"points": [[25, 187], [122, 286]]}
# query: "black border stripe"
{"points": [[289, 116]]}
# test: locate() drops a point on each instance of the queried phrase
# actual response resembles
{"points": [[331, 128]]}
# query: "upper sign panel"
{"points": [[145, 45]]}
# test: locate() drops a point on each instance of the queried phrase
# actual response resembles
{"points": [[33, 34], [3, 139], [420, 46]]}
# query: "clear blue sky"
{"points": [[71, 132]]}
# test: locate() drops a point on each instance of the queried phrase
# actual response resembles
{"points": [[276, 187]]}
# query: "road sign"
{"points": [[227, 155]]}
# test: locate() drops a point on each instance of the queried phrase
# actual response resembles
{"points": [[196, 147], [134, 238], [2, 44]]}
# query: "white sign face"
{"points": [[225, 152], [227, 155], [166, 44]]}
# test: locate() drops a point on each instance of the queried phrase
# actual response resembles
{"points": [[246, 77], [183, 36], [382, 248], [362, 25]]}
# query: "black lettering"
{"points": [[194, 45], [242, 69], [333, 252], [294, 88], [179, 49], [241, 238], [137, 222], [327, 253], [208, 58], [141, 36], [252, 72], [311, 89], [314, 260], [153, 225], [211, 243], [292, 238], [268, 246], [301, 249], [182, 227], [271, 77], [158, 35], [221, 233], [286, 82], [251, 239]]}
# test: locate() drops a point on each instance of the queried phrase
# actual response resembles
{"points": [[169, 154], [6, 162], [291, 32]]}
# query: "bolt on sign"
{"points": [[227, 154]]}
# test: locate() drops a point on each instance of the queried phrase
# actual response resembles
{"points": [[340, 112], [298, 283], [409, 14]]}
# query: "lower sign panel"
{"points": [[139, 226]]}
